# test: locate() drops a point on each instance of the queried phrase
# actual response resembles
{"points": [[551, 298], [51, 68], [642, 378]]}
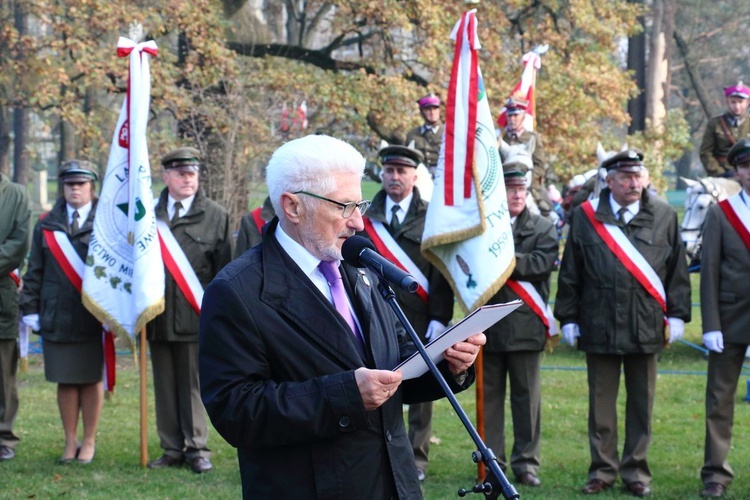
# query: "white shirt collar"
{"points": [[433, 129], [633, 208], [186, 204], [83, 213], [304, 259], [404, 204]]}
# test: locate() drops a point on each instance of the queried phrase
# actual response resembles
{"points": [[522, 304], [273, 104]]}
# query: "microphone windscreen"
{"points": [[352, 247]]}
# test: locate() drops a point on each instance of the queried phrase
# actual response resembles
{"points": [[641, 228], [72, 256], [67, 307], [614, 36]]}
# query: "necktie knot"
{"points": [[176, 215], [75, 225], [621, 214], [330, 270], [395, 223]]}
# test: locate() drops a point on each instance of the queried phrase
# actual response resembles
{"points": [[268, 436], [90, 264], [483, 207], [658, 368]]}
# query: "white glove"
{"points": [[32, 321], [676, 329], [434, 329], [570, 332], [714, 341]]}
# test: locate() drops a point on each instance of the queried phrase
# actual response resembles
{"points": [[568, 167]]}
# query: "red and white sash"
{"points": [[391, 250], [66, 256], [526, 291], [259, 222], [73, 267], [179, 266], [628, 255], [15, 275], [738, 215]]}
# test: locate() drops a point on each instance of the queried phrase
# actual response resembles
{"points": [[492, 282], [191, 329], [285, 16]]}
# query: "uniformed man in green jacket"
{"points": [[201, 227], [723, 131]]}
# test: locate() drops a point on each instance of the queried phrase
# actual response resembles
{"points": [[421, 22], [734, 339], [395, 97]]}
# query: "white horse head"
{"points": [[701, 194]]}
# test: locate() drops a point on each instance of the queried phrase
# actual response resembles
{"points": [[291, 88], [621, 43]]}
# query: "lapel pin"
{"points": [[364, 277]]}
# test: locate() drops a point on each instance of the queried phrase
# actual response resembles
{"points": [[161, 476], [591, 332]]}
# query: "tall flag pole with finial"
{"points": [[123, 282]]}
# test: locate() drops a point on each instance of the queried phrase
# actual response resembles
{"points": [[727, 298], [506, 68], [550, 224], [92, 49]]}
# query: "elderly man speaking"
{"points": [[296, 348]]}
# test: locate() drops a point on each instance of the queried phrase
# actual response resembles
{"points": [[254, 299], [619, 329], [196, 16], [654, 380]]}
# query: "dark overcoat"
{"points": [[535, 240], [47, 290], [203, 234], [615, 313], [725, 287], [277, 379]]}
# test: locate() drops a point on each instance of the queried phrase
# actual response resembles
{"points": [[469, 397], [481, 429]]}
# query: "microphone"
{"points": [[358, 251]]}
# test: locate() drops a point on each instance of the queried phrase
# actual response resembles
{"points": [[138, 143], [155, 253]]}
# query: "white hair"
{"points": [[310, 164]]}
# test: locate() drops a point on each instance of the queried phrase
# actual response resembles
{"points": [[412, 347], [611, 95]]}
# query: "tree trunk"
{"points": [[20, 146], [4, 141], [21, 114], [637, 64], [694, 74], [657, 86]]}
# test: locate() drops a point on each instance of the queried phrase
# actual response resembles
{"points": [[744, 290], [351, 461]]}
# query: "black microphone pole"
{"points": [[484, 454]]}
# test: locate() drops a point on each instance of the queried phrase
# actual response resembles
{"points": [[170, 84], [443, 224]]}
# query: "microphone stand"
{"points": [[489, 488]]}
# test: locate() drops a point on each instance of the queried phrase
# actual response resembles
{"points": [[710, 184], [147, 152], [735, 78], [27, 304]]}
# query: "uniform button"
{"points": [[344, 422], [388, 436]]}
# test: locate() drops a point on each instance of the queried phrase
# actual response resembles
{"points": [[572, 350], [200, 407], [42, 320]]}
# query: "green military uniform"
{"points": [[204, 236], [427, 140], [250, 234], [15, 214], [721, 133], [621, 324]]}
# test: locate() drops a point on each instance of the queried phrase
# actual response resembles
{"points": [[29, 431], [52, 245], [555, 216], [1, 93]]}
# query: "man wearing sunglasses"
{"points": [[395, 223], [297, 348]]}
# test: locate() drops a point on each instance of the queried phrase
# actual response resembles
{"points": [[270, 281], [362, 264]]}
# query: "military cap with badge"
{"points": [[739, 155], [429, 101], [515, 105], [739, 90], [185, 159], [400, 155], [516, 166], [630, 160], [76, 171]]}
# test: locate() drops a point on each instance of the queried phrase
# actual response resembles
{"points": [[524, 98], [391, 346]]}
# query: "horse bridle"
{"points": [[713, 192]]}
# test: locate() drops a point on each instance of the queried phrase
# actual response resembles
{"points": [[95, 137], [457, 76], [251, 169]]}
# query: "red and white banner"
{"points": [[526, 88], [391, 250], [73, 267], [300, 116], [123, 283], [526, 292], [467, 233], [738, 215], [179, 267], [626, 253]]}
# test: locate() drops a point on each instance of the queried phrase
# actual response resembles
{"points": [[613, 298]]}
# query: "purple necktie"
{"points": [[330, 270]]}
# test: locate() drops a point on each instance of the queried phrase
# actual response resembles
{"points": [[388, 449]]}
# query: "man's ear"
{"points": [[290, 205]]}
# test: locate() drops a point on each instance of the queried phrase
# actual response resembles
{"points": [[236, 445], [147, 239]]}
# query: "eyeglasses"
{"points": [[347, 209]]}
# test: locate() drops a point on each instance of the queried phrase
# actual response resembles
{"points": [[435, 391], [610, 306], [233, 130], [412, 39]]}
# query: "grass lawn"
{"points": [[676, 453]]}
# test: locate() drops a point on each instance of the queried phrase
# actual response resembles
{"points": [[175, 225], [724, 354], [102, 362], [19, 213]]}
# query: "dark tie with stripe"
{"points": [[176, 215], [395, 224], [74, 226]]}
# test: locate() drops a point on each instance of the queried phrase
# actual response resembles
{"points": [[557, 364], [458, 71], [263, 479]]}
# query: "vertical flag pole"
{"points": [[144, 395], [479, 391]]}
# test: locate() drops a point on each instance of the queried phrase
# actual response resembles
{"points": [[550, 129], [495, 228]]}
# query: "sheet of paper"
{"points": [[477, 321]]}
